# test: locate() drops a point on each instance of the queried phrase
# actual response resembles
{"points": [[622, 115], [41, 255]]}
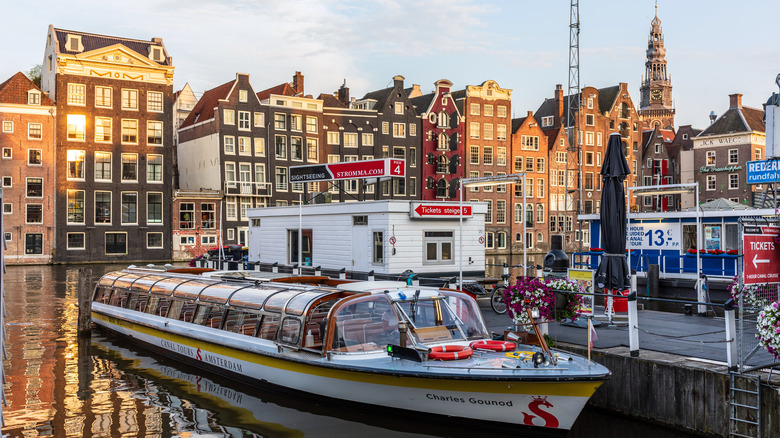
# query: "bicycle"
{"points": [[497, 301]]}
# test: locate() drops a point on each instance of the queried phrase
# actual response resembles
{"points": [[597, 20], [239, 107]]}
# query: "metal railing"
{"points": [[723, 265]]}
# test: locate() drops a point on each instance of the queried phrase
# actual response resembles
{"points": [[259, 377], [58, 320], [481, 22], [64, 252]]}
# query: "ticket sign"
{"points": [[584, 278], [761, 254], [654, 235], [386, 167]]}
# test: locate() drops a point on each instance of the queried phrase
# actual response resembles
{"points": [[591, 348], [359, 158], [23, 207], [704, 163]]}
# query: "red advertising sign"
{"points": [[438, 210], [386, 167], [762, 254]]}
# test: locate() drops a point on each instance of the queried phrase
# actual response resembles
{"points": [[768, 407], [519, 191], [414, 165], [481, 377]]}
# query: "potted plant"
{"points": [[529, 293], [769, 329], [597, 250], [568, 306], [748, 293]]}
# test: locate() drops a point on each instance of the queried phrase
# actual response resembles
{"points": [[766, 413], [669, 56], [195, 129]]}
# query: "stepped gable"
{"points": [[92, 41], [204, 109], [14, 90]]}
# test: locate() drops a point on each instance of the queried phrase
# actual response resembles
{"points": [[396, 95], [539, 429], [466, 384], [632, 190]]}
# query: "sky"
{"points": [[714, 48]]}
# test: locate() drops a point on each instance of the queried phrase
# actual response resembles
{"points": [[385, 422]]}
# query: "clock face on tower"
{"points": [[656, 94]]}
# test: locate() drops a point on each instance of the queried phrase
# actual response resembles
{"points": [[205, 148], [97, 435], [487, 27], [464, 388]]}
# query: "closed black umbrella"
{"points": [[613, 270]]}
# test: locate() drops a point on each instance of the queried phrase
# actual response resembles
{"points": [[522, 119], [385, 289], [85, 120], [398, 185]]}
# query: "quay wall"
{"points": [[675, 391]]}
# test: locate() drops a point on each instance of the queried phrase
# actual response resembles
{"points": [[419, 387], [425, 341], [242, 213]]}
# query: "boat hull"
{"points": [[552, 401]]}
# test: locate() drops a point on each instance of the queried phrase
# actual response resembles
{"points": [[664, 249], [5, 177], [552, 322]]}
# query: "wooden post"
{"points": [[85, 301]]}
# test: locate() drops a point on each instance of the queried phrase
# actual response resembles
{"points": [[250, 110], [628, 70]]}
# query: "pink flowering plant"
{"points": [[769, 329], [749, 293], [536, 293]]}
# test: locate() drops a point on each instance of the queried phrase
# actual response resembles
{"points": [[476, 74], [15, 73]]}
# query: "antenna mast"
{"points": [[573, 126]]}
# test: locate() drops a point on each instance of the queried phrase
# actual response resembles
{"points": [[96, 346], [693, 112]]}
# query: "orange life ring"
{"points": [[450, 352], [493, 345]]}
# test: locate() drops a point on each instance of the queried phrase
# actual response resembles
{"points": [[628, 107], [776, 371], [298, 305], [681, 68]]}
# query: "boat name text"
{"points": [[472, 400]]}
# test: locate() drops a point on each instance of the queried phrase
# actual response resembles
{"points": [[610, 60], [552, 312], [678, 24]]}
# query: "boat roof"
{"points": [[267, 296]]}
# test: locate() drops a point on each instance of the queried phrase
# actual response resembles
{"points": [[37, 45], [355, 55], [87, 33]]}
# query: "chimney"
{"points": [[298, 83], [735, 101], [558, 105], [398, 81], [416, 91], [343, 95]]}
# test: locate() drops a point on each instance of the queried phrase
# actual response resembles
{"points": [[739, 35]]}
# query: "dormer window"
{"points": [[33, 97], [73, 43], [156, 53]]}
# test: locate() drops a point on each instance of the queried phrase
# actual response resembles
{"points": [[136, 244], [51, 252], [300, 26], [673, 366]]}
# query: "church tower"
{"points": [[656, 107]]}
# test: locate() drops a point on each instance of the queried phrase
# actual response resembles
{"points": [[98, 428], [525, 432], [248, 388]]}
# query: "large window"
{"points": [[34, 131], [103, 129], [103, 97], [474, 129], [487, 131], [187, 215], [378, 252], [243, 121], [207, 218], [129, 167], [529, 142], [77, 125], [487, 155], [311, 125], [77, 94], [154, 168], [33, 243], [129, 131], [35, 187], [399, 130], [280, 121], [34, 214], [102, 207], [116, 243], [75, 241], [438, 247], [281, 179], [154, 132], [154, 101], [154, 208], [75, 164], [154, 240], [34, 157], [296, 148], [281, 147], [229, 143], [312, 150], [350, 139], [244, 146], [129, 99], [129, 208], [75, 206], [102, 166]]}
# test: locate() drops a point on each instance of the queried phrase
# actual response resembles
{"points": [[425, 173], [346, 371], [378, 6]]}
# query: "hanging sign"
{"points": [[761, 172], [438, 210], [584, 278], [386, 167]]}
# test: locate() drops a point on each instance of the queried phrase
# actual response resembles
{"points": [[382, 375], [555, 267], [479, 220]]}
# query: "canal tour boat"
{"points": [[380, 343]]}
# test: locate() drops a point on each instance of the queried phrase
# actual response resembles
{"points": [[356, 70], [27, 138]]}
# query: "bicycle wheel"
{"points": [[497, 300]]}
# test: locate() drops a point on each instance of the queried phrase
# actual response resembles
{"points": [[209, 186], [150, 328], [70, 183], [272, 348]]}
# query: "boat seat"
{"points": [[214, 322], [248, 328], [162, 310]]}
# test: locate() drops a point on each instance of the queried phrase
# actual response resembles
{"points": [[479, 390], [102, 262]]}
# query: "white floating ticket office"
{"points": [[388, 237]]}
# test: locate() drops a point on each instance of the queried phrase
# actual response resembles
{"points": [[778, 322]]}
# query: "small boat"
{"points": [[379, 343]]}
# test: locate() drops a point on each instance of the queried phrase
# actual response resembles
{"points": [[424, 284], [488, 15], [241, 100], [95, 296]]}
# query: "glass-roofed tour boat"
{"points": [[379, 343]]}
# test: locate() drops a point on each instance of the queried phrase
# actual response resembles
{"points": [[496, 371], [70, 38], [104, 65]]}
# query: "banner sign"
{"points": [[654, 235], [761, 254], [584, 278], [760, 172], [386, 167]]}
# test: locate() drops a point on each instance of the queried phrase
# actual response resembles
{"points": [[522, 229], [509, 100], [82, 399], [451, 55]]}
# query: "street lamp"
{"points": [[496, 180]]}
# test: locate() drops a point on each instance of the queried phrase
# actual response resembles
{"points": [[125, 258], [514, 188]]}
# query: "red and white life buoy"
{"points": [[450, 352], [493, 345]]}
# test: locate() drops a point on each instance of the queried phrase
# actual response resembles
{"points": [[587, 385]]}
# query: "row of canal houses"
{"points": [[104, 162]]}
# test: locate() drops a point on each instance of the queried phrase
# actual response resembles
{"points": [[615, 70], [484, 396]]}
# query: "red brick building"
{"points": [[487, 110], [442, 143], [530, 155], [27, 168]]}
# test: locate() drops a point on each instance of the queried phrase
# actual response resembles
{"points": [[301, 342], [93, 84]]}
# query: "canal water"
{"points": [[60, 385]]}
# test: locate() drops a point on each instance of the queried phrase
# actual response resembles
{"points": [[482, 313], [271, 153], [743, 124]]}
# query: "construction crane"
{"points": [[573, 104]]}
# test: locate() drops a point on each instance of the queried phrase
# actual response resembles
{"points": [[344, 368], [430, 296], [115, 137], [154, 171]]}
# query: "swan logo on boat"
{"points": [[197, 354], [549, 419]]}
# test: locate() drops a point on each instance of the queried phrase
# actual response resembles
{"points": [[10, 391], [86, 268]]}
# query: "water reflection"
{"points": [[61, 385]]}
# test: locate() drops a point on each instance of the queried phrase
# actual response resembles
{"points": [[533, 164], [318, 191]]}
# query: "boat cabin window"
{"points": [[291, 330], [443, 319], [158, 306], [317, 321], [238, 321], [209, 315], [191, 289], [103, 294], [126, 281], [119, 298], [187, 311], [269, 327], [365, 323], [174, 311], [278, 300], [137, 302]]}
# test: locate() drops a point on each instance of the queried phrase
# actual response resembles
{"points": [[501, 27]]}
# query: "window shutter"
{"points": [[454, 141], [454, 161], [454, 188], [454, 119]]}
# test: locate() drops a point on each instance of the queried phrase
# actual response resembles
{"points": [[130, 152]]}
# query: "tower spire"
{"points": [[656, 105]]}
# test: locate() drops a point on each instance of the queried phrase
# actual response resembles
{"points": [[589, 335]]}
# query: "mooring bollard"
{"points": [[85, 301], [318, 271], [731, 335], [633, 326], [371, 276], [343, 273], [415, 280], [275, 268]]}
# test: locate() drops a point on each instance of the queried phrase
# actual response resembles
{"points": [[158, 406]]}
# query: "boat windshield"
{"points": [[448, 317]]}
